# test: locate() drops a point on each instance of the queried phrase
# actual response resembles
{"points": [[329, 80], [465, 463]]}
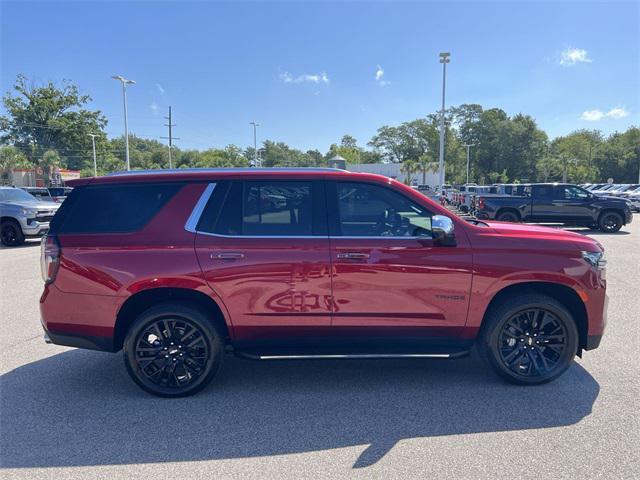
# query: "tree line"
{"points": [[49, 126]]}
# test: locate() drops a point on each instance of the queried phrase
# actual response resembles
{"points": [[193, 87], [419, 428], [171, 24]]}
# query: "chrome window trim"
{"points": [[311, 236], [198, 209], [196, 213]]}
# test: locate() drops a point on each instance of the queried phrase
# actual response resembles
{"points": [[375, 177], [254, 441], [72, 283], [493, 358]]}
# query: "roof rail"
{"points": [[222, 170]]}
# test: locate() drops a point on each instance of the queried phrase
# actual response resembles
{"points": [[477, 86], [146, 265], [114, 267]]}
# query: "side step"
{"points": [[336, 356]]}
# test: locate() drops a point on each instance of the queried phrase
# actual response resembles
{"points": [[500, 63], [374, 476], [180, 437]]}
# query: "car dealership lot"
{"points": [[67, 413]]}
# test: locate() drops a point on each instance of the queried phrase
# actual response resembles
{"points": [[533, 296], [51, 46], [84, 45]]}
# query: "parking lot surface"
{"points": [[68, 413]]}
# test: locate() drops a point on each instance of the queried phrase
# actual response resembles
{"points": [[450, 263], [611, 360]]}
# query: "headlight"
{"points": [[594, 258], [29, 212], [597, 261]]}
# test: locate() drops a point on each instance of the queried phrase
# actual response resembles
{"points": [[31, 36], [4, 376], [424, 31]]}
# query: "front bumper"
{"points": [[31, 227]]}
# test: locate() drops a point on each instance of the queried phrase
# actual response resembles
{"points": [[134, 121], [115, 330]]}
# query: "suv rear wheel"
{"points": [[173, 350], [508, 216], [529, 339], [11, 234]]}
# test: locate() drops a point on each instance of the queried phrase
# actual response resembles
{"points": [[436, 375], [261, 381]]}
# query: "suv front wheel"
{"points": [[529, 339], [173, 350], [11, 234]]}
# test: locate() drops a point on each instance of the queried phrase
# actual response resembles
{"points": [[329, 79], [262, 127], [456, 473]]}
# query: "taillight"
{"points": [[480, 203], [49, 258]]}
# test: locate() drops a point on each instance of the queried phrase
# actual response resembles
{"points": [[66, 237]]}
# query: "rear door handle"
{"points": [[353, 256], [227, 256]]}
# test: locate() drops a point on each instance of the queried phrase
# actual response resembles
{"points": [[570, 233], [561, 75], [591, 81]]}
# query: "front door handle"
{"points": [[227, 256], [353, 256]]}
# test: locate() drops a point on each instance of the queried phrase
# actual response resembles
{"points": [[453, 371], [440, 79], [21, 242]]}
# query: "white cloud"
{"points": [[617, 112], [597, 115], [379, 77], [571, 56], [316, 78], [154, 108], [160, 89]]}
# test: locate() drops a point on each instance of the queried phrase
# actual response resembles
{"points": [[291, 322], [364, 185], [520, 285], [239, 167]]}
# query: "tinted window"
{"points": [[268, 208], [574, 193], [366, 210], [543, 191], [114, 208]]}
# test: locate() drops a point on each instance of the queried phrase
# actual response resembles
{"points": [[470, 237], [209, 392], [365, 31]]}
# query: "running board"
{"points": [[258, 356]]}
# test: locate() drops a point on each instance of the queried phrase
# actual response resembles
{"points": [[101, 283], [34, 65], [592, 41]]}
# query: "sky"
{"points": [[310, 72]]}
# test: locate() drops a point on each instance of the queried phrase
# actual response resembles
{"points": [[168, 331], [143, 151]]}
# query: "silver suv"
{"points": [[22, 215]]}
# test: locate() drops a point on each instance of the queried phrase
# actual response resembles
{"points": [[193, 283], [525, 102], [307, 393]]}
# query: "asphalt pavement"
{"points": [[68, 413]]}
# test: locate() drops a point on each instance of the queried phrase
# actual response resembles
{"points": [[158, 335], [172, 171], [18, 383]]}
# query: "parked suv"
{"points": [[176, 268], [22, 215]]}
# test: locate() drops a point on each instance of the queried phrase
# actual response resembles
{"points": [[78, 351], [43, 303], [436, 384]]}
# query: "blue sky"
{"points": [[312, 72]]}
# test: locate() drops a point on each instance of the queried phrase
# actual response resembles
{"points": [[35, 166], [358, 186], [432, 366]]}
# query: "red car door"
{"points": [[390, 279], [263, 248]]}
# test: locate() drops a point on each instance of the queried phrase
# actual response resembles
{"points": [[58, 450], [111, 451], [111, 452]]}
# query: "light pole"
{"points": [[468, 156], [124, 82], [95, 163], [255, 142], [444, 59]]}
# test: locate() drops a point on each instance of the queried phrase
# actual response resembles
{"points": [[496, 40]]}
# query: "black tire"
{"points": [[610, 222], [508, 216], [538, 351], [11, 234], [173, 350]]}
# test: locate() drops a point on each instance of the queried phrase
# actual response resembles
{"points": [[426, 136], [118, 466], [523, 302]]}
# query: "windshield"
{"points": [[15, 195]]}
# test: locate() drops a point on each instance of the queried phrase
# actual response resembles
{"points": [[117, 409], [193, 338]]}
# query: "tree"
{"points": [[10, 159], [50, 118]]}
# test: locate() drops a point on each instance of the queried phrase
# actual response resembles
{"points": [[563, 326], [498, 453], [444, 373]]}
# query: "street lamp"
{"points": [[124, 82], [468, 156], [255, 142], [444, 59], [93, 142]]}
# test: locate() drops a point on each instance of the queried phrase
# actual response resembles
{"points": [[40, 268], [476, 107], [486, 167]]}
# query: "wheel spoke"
{"points": [[177, 365], [540, 342]]}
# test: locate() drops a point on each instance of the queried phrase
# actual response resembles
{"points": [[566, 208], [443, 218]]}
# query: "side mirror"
{"points": [[442, 229]]}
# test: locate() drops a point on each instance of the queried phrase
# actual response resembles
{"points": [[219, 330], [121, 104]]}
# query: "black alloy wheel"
{"points": [[11, 233], [532, 342], [610, 222], [173, 350], [529, 339]]}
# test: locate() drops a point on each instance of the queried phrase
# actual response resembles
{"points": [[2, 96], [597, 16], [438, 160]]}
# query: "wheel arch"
{"points": [[513, 210], [144, 299], [564, 294], [606, 210]]}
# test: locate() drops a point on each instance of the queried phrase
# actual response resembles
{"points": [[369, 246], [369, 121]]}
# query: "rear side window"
{"points": [[113, 208], [266, 208]]}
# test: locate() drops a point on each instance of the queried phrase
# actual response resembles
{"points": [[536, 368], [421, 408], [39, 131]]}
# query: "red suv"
{"points": [[178, 267]]}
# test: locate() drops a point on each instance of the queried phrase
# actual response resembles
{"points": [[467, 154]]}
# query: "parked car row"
{"points": [[628, 191], [23, 215], [49, 194]]}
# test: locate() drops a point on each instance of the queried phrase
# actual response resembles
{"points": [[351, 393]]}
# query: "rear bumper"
{"points": [[78, 320], [90, 342]]}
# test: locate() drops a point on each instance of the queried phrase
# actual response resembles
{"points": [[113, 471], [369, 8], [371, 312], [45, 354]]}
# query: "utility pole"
{"points": [[444, 59], [468, 157], [255, 142], [171, 138], [95, 163]]}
